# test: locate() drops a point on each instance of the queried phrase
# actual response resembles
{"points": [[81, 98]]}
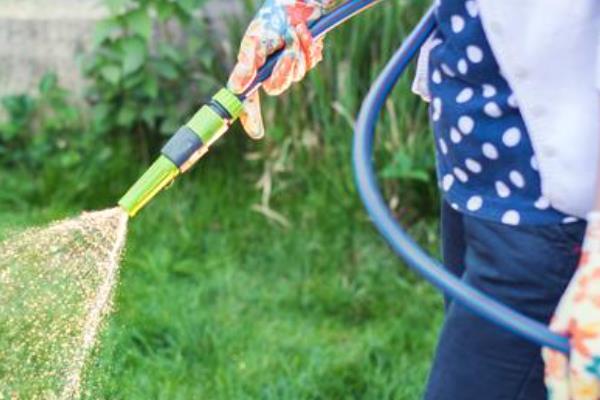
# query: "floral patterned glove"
{"points": [[577, 376], [279, 24]]}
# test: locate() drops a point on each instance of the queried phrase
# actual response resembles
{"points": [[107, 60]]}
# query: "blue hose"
{"points": [[396, 237], [373, 200]]}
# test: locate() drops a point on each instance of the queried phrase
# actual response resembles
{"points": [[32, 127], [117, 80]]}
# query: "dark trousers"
{"points": [[524, 267]]}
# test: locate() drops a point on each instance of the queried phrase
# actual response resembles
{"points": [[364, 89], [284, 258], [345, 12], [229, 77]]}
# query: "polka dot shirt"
{"points": [[485, 160]]}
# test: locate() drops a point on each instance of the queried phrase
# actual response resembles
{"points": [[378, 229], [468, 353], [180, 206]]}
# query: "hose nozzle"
{"points": [[186, 147]]}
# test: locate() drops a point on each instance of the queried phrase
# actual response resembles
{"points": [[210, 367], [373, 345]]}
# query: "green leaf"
{"points": [[139, 22], [134, 54], [105, 29], [111, 73], [189, 6], [171, 52], [166, 69], [150, 87], [116, 6], [149, 115], [164, 10], [48, 82], [126, 116], [19, 107]]}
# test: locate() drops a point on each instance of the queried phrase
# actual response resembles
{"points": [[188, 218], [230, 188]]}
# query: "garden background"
{"points": [[258, 275]]}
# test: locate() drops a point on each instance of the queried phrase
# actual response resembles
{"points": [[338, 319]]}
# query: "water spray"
{"points": [[194, 139]]}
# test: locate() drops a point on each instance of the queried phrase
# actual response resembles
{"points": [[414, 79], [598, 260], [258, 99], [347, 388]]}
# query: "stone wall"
{"points": [[41, 35]]}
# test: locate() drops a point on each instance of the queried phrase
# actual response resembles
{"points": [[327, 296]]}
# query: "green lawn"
{"points": [[218, 302]]}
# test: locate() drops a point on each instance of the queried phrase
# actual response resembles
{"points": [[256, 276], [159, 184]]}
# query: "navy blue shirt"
{"points": [[486, 163]]}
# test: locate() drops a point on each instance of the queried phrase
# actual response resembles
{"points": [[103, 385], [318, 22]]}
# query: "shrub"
{"points": [[151, 64], [41, 126]]}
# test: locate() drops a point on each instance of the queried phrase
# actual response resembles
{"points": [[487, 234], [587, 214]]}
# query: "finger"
{"points": [[561, 319], [556, 374], [256, 46], [316, 52], [583, 386], [302, 54], [282, 76], [305, 40], [311, 49], [251, 117], [584, 366]]}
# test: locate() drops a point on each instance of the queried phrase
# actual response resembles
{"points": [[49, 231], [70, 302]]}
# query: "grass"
{"points": [[217, 301]]}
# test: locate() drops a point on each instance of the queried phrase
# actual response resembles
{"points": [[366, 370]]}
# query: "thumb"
{"points": [[556, 375], [251, 117]]}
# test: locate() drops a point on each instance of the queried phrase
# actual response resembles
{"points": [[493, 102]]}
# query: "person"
{"points": [[514, 109]]}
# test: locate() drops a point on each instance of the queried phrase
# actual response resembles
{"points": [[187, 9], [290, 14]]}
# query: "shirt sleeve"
{"points": [[420, 85]]}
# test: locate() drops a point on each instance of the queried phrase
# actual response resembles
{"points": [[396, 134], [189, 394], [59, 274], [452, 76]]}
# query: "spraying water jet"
{"points": [[56, 286]]}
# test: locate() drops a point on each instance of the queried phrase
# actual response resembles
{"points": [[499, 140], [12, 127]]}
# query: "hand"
{"points": [[279, 24], [577, 376]]}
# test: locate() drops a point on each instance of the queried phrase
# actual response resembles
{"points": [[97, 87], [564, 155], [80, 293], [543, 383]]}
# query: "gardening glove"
{"points": [[576, 377], [279, 24]]}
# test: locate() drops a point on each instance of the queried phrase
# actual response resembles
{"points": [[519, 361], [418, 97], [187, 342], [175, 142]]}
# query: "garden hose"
{"points": [[185, 148], [193, 140]]}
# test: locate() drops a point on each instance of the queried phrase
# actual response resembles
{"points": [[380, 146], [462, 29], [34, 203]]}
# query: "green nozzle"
{"points": [[184, 149], [156, 178]]}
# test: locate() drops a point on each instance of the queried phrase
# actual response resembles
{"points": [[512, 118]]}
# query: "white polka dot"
{"points": [[465, 95], [461, 175], [462, 66], [473, 165], [474, 53], [455, 135], [542, 203], [511, 217], [472, 9], [437, 109], [534, 163], [466, 124], [448, 71], [443, 146], [492, 109], [474, 203], [490, 151], [569, 220], [512, 101], [458, 23], [436, 76], [455, 206], [447, 182], [517, 179], [502, 190], [489, 90], [511, 137]]}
